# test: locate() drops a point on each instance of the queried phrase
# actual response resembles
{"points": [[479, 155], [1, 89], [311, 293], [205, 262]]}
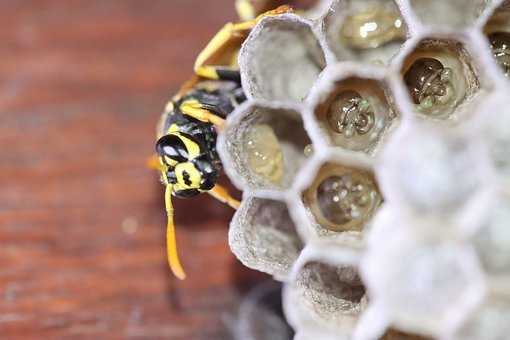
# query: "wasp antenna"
{"points": [[222, 195], [171, 244]]}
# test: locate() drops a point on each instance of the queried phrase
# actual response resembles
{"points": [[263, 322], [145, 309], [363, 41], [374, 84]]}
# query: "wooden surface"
{"points": [[82, 220]]}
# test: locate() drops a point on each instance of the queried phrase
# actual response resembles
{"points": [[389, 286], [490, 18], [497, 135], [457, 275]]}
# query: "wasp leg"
{"points": [[196, 110], [222, 195], [154, 163], [173, 257], [219, 58], [245, 9], [222, 49]]}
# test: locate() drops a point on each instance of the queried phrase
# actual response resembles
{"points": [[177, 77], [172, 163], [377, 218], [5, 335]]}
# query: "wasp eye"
{"points": [[500, 44], [429, 84], [173, 147], [350, 114]]}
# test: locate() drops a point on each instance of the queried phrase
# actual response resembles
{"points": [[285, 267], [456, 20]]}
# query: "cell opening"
{"points": [[342, 198], [356, 114], [372, 31], [497, 31], [331, 290], [439, 77], [264, 147], [264, 236], [282, 60]]}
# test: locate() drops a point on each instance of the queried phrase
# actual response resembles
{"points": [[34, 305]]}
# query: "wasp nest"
{"points": [[373, 152]]}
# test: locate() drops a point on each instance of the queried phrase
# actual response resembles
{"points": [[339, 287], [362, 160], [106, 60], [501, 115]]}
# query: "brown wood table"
{"points": [[82, 220]]}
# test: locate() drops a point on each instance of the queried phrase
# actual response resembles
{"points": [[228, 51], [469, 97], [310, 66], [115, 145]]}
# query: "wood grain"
{"points": [[82, 220]]}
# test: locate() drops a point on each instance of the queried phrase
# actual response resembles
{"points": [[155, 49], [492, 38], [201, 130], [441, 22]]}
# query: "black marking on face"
{"points": [[186, 178]]}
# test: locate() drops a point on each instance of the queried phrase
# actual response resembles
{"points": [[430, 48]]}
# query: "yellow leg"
{"points": [[154, 163], [173, 257], [194, 109], [224, 46], [245, 10], [218, 50], [222, 195]]}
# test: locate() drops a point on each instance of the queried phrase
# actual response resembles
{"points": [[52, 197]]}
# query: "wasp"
{"points": [[186, 153]]}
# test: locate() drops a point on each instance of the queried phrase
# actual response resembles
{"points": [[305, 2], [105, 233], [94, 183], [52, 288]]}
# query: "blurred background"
{"points": [[82, 222]]}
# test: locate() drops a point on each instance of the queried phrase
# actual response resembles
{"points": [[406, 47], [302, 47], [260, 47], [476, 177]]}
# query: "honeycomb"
{"points": [[373, 153]]}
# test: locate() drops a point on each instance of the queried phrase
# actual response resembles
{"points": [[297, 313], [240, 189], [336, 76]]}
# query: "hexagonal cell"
{"points": [[328, 289], [497, 31], [425, 287], [439, 77], [341, 198], [263, 145], [355, 112], [263, 236], [325, 289], [489, 322], [451, 14], [432, 171], [281, 59], [492, 240], [370, 30]]}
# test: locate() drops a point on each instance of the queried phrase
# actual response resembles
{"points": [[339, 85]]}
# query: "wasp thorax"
{"points": [[500, 44], [372, 28], [264, 154], [429, 84], [350, 114]]}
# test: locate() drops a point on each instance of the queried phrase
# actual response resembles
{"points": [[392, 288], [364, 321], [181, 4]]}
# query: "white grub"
{"points": [[370, 30], [287, 125]]}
